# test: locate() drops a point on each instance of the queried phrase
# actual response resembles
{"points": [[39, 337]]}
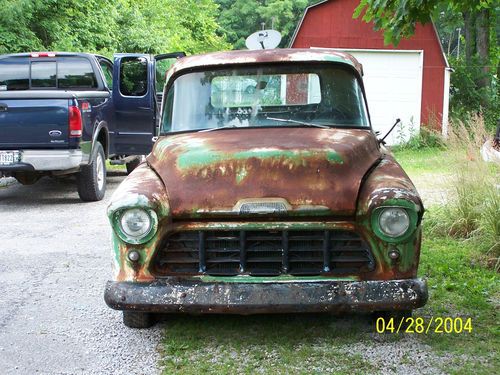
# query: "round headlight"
{"points": [[394, 221], [135, 222]]}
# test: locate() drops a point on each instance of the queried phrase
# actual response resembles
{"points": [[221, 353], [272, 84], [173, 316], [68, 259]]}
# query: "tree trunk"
{"points": [[469, 34], [483, 46]]}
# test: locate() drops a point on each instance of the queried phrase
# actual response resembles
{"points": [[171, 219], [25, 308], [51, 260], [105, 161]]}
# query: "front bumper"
{"points": [[269, 297], [46, 160]]}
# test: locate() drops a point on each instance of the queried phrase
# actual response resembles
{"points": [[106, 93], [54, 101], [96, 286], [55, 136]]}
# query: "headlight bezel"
{"points": [[130, 239], [375, 223]]}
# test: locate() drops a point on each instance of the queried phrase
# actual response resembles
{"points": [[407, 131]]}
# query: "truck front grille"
{"points": [[263, 253]]}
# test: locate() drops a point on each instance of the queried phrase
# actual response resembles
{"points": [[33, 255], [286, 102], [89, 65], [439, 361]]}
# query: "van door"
{"points": [[135, 100]]}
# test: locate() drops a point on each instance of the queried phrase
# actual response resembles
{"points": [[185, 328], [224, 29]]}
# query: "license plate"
{"points": [[9, 157]]}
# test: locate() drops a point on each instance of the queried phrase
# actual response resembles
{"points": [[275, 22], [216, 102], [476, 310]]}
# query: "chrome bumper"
{"points": [[46, 160]]}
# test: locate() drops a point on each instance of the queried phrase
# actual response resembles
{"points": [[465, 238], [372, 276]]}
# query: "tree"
{"points": [[107, 26], [398, 19], [240, 18]]}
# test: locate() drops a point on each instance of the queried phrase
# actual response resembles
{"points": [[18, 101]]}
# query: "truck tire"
{"points": [[133, 164], [135, 319], [91, 180]]}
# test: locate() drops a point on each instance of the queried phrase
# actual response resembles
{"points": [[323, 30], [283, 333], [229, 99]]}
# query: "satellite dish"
{"points": [[263, 39]]}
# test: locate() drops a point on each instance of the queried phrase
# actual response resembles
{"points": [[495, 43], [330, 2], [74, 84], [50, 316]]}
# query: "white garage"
{"points": [[393, 85]]}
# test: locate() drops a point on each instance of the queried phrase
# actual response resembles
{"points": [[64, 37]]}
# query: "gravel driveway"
{"points": [[54, 261]]}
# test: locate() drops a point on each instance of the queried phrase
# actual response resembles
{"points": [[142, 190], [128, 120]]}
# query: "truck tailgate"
{"points": [[33, 123]]}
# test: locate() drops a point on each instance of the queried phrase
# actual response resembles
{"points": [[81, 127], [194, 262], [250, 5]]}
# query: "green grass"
{"points": [[270, 344], [459, 286], [116, 167], [426, 160]]}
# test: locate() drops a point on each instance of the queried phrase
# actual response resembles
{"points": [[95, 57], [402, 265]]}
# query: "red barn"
{"points": [[410, 81]]}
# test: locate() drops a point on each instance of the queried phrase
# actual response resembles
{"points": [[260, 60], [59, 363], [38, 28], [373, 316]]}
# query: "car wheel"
{"points": [[91, 180], [133, 164], [135, 319]]}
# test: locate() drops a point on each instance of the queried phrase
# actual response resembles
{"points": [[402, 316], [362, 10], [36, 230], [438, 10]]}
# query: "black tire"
{"points": [[135, 319], [133, 165], [91, 180]]}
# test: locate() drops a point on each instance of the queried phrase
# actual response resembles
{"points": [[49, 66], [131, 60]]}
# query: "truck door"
{"points": [[135, 101]]}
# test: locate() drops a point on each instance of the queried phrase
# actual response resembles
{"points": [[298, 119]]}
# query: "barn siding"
{"points": [[331, 25]]}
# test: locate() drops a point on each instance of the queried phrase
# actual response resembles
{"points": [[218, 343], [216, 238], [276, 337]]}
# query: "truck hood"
{"points": [[303, 171]]}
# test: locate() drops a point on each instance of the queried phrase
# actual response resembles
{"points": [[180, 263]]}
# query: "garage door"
{"points": [[393, 83]]}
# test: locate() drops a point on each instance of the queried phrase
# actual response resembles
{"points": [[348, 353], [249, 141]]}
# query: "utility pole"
{"points": [[458, 42]]}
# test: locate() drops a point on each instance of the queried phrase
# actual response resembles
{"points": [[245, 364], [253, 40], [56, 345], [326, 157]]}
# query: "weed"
{"points": [[473, 211]]}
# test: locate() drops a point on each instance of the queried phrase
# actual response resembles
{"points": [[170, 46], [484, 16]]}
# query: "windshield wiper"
{"points": [[297, 122], [222, 127]]}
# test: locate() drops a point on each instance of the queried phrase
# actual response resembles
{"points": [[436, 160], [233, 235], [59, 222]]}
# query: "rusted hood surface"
{"points": [[317, 171]]}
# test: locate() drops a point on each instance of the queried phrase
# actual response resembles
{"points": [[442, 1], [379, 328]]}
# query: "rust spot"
{"points": [[324, 167]]}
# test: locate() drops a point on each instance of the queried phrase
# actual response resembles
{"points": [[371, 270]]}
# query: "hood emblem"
{"points": [[55, 133], [262, 206]]}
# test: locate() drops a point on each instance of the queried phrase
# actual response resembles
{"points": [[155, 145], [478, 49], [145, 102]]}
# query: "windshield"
{"points": [[277, 95]]}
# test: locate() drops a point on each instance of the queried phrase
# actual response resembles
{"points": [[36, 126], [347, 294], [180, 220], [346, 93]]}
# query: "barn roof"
{"points": [[299, 25]]}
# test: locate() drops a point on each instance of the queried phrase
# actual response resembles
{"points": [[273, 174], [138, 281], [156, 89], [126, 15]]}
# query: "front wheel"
{"points": [[135, 319], [91, 180]]}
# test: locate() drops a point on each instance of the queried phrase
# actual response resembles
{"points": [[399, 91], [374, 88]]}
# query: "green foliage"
{"points": [[107, 26], [240, 18], [467, 99], [426, 138], [399, 18]]}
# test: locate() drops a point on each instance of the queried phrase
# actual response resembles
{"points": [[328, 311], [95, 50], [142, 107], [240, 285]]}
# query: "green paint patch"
{"points": [[202, 157], [241, 174]]}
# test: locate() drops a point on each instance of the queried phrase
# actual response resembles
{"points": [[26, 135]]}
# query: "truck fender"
{"points": [[101, 134]]}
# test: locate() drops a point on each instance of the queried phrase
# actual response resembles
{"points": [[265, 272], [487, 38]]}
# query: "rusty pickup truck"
{"points": [[266, 192]]}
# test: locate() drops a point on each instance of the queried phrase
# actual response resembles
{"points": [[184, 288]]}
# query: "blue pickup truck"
{"points": [[66, 113]]}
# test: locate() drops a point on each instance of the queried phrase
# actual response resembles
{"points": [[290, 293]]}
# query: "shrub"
{"points": [[473, 211], [426, 138]]}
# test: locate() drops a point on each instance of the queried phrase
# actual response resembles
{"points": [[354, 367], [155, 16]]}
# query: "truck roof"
{"points": [[265, 56], [46, 54]]}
